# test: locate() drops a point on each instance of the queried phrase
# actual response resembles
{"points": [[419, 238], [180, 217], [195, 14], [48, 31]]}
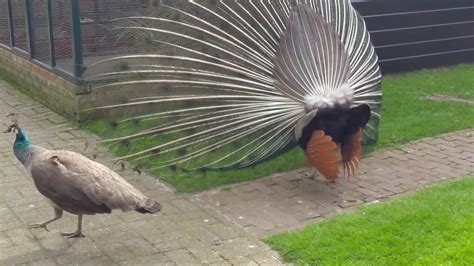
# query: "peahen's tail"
{"points": [[150, 206]]}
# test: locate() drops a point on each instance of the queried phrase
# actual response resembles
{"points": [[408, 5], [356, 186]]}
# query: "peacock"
{"points": [[235, 83], [76, 184]]}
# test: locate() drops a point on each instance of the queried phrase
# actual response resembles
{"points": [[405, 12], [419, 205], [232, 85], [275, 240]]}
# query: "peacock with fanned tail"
{"points": [[237, 82]]}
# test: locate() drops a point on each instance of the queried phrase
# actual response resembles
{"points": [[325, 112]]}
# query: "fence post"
{"points": [[29, 30], [10, 23], [49, 11], [79, 67]]}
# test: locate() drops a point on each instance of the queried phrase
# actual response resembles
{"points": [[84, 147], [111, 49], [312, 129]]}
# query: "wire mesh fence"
{"points": [[67, 35], [62, 36], [99, 40], [18, 10], [39, 34], [4, 24]]}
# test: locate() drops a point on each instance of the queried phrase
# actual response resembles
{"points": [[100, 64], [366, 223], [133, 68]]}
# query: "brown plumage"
{"points": [[332, 140], [328, 158], [324, 155], [81, 186], [76, 184], [352, 152]]}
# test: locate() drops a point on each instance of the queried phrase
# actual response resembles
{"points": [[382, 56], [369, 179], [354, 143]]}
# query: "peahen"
{"points": [[76, 184], [237, 82]]}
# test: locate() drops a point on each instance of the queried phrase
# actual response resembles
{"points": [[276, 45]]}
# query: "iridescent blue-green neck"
{"points": [[21, 147]]}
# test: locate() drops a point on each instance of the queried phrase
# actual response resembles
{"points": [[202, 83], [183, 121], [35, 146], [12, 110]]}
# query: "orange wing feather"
{"points": [[327, 157], [352, 152], [324, 154]]}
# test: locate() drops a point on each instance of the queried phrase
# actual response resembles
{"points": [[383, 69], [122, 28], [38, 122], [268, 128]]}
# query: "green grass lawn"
{"points": [[406, 115], [433, 227]]}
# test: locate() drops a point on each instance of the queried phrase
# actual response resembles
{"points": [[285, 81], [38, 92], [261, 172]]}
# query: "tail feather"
{"points": [[241, 76], [150, 206]]}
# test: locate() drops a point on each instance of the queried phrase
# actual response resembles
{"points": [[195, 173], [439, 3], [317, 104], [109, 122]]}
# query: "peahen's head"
{"points": [[22, 140]]}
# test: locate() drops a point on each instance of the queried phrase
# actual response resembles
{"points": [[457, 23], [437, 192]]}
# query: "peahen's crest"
{"points": [[234, 80]]}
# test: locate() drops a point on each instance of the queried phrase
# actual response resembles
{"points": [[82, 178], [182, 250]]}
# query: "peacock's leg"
{"points": [[78, 232], [314, 173], [58, 213]]}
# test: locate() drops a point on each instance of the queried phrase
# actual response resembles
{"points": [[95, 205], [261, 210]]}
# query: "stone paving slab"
{"points": [[183, 233], [287, 201]]}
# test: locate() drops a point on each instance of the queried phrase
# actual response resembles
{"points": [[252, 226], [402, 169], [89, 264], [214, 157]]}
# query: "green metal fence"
{"points": [[64, 36], [45, 32]]}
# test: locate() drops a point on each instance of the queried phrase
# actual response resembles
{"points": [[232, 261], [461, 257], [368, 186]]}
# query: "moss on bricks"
{"points": [[19, 72]]}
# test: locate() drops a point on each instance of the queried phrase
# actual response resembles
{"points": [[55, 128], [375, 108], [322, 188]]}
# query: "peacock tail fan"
{"points": [[226, 82]]}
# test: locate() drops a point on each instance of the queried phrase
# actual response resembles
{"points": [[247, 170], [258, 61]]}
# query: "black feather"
{"points": [[337, 123]]}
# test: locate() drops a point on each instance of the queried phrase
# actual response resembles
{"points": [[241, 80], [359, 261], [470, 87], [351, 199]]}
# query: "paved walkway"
{"points": [[291, 200], [214, 227], [183, 233]]}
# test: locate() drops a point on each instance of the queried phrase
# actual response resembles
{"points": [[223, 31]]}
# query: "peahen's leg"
{"points": [[78, 232], [58, 213]]}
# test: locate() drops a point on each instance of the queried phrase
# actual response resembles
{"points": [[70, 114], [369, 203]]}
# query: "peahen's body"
{"points": [[237, 81], [76, 184]]}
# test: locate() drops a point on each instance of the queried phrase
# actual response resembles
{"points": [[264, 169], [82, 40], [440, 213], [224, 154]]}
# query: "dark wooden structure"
{"points": [[415, 34]]}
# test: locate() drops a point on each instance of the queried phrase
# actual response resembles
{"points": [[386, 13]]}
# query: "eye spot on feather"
{"points": [[113, 124], [202, 170], [156, 3], [156, 130], [125, 142], [166, 88], [123, 66], [236, 144], [155, 151], [190, 131], [223, 24], [252, 157], [181, 152], [173, 168], [177, 17]]}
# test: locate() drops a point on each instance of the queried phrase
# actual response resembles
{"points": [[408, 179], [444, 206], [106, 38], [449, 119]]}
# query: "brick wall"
{"points": [[47, 87], [65, 97]]}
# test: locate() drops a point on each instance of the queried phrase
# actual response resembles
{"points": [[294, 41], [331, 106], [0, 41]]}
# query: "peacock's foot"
{"points": [[40, 225], [73, 235]]}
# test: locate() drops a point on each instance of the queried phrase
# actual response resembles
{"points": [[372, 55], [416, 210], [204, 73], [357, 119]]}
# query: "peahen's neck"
{"points": [[22, 147], [22, 154]]}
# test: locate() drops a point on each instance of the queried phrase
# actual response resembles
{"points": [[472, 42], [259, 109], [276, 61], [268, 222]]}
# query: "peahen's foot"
{"points": [[58, 213], [40, 225], [73, 235]]}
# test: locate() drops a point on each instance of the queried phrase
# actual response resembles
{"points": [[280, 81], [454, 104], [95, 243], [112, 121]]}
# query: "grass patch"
{"points": [[433, 227], [185, 181], [406, 115]]}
